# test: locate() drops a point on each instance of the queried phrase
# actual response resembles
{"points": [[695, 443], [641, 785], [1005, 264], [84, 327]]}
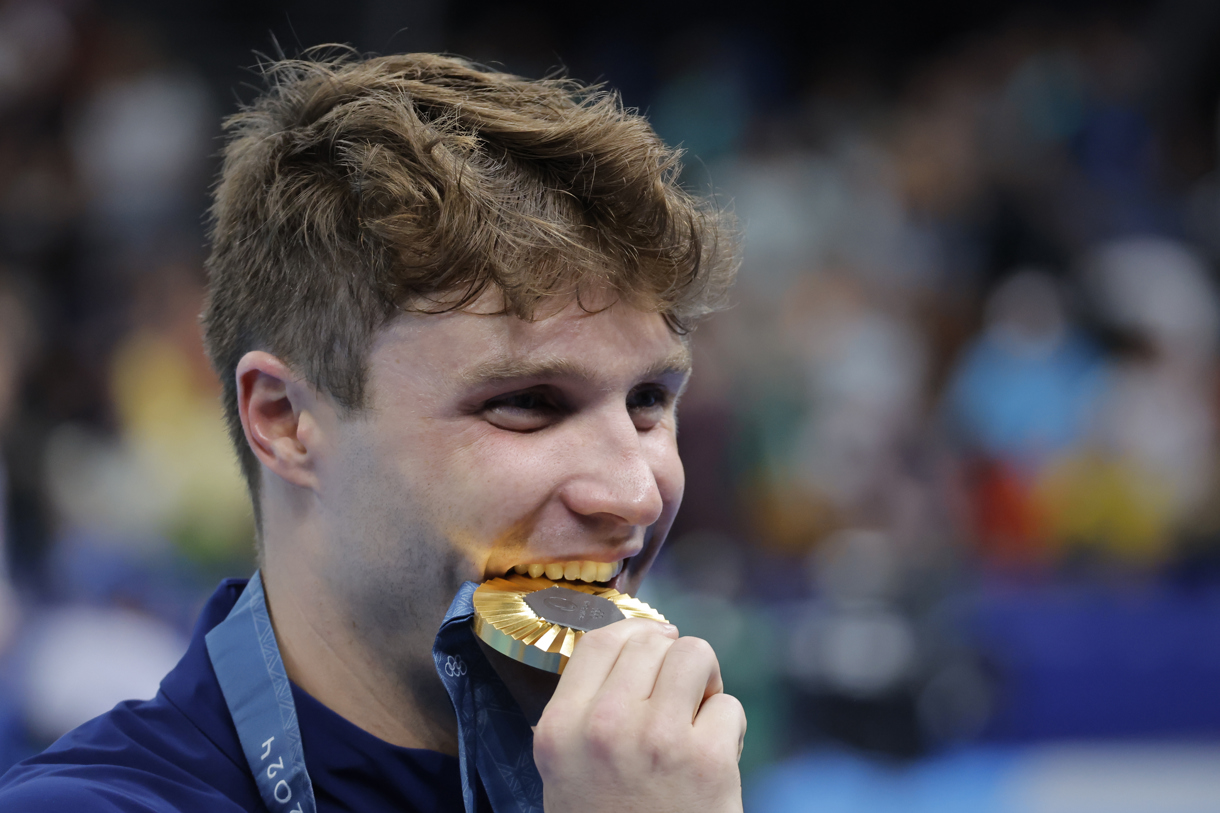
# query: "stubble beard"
{"points": [[395, 596]]}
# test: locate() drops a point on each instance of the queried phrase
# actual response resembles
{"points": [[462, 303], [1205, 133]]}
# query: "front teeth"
{"points": [[573, 571]]}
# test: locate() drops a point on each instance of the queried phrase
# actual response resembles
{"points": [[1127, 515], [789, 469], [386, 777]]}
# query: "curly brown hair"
{"points": [[353, 189]]}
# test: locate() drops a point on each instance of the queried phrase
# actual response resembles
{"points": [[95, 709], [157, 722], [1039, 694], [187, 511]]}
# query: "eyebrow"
{"points": [[499, 370]]}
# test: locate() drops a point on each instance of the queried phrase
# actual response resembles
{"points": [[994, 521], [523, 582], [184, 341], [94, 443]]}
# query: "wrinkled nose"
{"points": [[616, 476]]}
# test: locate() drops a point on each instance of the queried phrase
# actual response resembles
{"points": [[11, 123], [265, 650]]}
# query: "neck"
{"points": [[327, 653]]}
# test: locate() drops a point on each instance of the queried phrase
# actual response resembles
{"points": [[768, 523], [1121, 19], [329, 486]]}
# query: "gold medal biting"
{"points": [[538, 620]]}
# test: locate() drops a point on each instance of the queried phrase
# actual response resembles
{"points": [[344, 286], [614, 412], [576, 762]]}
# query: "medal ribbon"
{"points": [[495, 740], [251, 673]]}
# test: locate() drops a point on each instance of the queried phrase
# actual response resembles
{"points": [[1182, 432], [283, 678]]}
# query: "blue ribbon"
{"points": [[256, 689], [495, 739]]}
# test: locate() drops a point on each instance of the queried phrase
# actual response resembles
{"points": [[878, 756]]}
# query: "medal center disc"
{"points": [[574, 609]]}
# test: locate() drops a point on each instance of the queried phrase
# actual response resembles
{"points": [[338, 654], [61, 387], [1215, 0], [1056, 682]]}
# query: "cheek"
{"points": [[497, 481]]}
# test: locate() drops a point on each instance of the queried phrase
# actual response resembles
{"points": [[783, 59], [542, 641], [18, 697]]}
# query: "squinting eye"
{"points": [[648, 405], [647, 397], [523, 400], [521, 411]]}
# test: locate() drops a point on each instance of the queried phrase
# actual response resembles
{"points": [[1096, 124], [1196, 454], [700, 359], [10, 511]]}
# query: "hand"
{"points": [[640, 723]]}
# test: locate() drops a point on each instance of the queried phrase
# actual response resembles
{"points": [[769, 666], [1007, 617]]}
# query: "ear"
{"points": [[276, 407]]}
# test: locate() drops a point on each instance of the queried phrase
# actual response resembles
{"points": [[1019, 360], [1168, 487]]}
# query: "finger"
{"points": [[635, 672], [721, 719], [689, 676], [595, 656]]}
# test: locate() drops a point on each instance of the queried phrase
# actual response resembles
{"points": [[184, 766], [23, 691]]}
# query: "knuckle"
{"points": [[604, 727], [546, 727], [554, 736], [742, 720], [662, 743], [729, 708], [647, 640], [696, 647], [715, 759], [547, 748], [699, 646], [734, 707]]}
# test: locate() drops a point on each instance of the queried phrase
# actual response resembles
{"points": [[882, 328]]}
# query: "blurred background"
{"points": [[953, 506]]}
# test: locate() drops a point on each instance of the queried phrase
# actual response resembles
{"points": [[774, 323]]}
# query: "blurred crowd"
{"points": [[121, 501], [952, 455]]}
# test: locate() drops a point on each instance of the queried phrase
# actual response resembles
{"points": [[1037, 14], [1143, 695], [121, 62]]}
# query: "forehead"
{"points": [[475, 345]]}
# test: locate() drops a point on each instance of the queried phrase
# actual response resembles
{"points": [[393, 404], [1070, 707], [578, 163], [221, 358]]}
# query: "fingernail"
{"points": [[669, 628]]}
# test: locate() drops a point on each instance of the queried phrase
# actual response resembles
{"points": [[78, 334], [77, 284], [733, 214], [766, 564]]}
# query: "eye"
{"points": [[648, 404], [524, 411]]}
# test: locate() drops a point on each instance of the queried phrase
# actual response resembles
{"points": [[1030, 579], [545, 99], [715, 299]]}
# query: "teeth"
{"points": [[584, 571]]}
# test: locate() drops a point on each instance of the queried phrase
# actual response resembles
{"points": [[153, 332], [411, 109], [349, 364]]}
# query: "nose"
{"points": [[616, 473]]}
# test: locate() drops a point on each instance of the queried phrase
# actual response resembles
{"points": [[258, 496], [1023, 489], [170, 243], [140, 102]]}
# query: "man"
{"points": [[448, 309]]}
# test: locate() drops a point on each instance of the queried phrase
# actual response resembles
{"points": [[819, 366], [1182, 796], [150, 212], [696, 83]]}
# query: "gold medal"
{"points": [[538, 621]]}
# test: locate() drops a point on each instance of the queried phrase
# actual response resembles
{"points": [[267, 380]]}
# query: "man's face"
{"points": [[492, 442]]}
